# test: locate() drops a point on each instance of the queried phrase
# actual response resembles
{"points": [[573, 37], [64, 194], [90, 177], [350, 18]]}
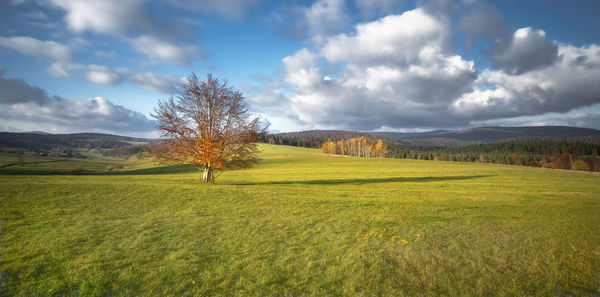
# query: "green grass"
{"points": [[92, 164], [301, 223]]}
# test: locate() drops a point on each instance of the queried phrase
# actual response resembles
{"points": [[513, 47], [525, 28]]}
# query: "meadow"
{"points": [[299, 223]]}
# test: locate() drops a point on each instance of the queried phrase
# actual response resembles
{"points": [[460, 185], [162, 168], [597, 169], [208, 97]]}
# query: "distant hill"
{"points": [[491, 134], [314, 138], [38, 132], [46, 141]]}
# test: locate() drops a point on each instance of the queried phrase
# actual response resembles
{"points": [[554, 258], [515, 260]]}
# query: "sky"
{"points": [[381, 65]]}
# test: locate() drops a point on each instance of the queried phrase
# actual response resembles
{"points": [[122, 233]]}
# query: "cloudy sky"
{"points": [[378, 65]]}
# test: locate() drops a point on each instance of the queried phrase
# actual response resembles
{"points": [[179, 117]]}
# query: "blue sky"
{"points": [[380, 65]]}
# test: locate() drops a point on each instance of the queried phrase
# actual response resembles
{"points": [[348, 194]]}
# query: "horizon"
{"points": [[376, 66], [311, 130]]}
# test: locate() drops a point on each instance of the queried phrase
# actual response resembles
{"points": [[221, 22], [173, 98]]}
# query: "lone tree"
{"points": [[207, 126]]}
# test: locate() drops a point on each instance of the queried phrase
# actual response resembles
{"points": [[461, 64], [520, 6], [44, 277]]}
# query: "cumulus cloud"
{"points": [[31, 46], [397, 73], [401, 72], [396, 39], [570, 82], [27, 107], [528, 50]]}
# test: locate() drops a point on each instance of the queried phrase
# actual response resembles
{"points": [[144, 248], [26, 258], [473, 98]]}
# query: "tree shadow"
{"points": [[362, 181], [169, 169]]}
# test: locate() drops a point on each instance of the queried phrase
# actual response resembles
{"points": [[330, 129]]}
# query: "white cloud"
{"points": [[395, 39], [102, 16], [34, 47], [156, 83], [105, 76], [267, 97], [163, 51], [401, 72], [102, 75], [325, 17], [29, 108], [301, 70], [65, 116], [131, 21], [570, 82], [397, 74]]}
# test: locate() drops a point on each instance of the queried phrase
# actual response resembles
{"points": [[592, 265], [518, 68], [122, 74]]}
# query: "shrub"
{"points": [[581, 165]]}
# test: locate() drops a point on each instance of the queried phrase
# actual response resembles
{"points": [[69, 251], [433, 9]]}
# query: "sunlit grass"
{"points": [[303, 223]]}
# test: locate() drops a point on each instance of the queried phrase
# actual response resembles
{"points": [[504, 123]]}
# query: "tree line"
{"points": [[316, 138], [569, 154], [547, 153], [356, 147]]}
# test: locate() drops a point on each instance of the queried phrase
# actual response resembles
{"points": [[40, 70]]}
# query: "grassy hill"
{"points": [[301, 223]]}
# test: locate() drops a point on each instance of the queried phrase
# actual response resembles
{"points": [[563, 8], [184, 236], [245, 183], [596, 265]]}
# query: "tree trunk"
{"points": [[207, 176]]}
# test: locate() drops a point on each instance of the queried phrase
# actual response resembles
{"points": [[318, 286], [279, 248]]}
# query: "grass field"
{"points": [[301, 223]]}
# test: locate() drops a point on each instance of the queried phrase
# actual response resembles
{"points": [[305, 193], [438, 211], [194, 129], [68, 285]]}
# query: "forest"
{"points": [[556, 153], [533, 152]]}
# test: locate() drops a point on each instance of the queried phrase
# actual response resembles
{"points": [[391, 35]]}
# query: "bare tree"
{"points": [[207, 126]]}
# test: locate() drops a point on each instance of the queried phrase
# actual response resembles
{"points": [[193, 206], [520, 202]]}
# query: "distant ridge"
{"points": [[495, 133], [313, 138], [43, 140], [38, 132]]}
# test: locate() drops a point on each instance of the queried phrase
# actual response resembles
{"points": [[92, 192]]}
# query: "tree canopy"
{"points": [[207, 126]]}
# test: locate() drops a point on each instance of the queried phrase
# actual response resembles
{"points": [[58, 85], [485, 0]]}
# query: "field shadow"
{"points": [[169, 169], [362, 181]]}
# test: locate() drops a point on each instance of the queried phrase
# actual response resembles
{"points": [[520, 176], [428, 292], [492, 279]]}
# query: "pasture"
{"points": [[299, 223]]}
